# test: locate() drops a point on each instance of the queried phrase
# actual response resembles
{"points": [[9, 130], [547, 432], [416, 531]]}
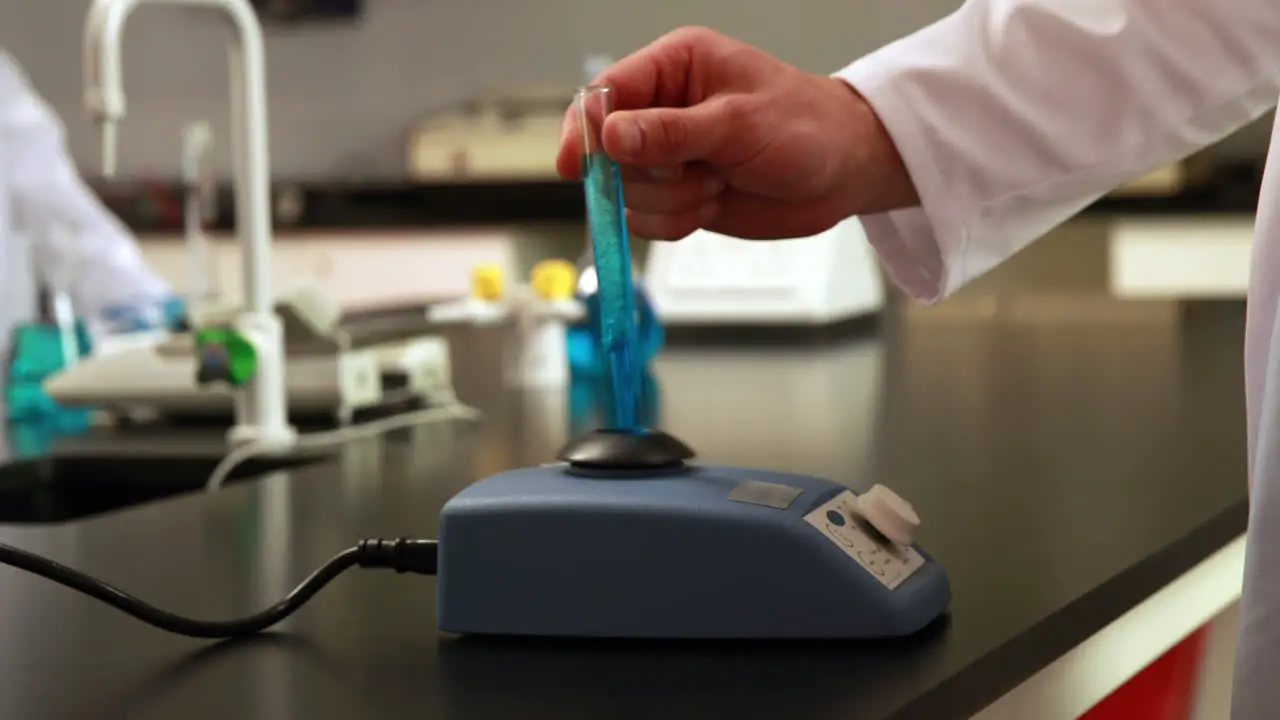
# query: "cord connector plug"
{"points": [[412, 555]]}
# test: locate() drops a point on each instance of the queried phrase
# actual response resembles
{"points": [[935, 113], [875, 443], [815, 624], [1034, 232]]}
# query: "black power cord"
{"points": [[402, 555]]}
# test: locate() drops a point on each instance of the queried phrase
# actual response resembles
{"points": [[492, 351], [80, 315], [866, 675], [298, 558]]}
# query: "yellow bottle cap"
{"points": [[486, 282], [553, 279]]}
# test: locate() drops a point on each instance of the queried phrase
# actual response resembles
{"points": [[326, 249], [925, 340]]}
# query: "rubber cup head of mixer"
{"points": [[614, 450]]}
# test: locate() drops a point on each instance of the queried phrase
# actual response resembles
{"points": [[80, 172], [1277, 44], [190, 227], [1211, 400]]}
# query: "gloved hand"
{"points": [[175, 314], [169, 313], [713, 133], [36, 353]]}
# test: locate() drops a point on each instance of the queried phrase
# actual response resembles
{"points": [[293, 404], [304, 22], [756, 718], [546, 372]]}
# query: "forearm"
{"points": [[1011, 116]]}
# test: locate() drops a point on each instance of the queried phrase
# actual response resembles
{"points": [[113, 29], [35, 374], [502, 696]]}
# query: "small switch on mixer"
{"points": [[889, 514]]}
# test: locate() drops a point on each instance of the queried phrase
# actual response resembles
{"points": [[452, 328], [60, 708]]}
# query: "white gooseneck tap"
{"points": [[261, 407]]}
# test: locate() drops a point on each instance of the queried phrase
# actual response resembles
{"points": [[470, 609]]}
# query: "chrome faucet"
{"points": [[261, 407]]}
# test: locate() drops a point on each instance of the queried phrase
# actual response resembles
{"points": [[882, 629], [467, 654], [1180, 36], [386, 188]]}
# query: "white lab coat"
{"points": [[53, 228], [1013, 115]]}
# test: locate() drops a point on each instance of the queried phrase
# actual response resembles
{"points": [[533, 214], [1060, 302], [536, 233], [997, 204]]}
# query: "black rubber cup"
{"points": [[619, 450]]}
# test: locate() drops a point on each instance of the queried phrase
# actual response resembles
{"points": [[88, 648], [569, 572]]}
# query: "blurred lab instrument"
{"points": [[508, 138], [329, 373], [535, 352], [709, 279], [496, 138], [1190, 174]]}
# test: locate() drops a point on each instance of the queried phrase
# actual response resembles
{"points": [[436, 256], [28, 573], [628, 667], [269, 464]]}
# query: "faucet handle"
{"points": [[197, 139], [108, 138], [197, 171], [224, 355]]}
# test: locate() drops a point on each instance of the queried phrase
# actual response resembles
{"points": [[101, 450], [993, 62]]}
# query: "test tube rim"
{"points": [[605, 90]]}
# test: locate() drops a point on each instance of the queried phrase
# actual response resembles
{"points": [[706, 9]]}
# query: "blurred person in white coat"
{"points": [[958, 146], [52, 223]]}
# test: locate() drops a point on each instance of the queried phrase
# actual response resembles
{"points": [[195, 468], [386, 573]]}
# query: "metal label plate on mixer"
{"points": [[889, 564], [758, 492]]}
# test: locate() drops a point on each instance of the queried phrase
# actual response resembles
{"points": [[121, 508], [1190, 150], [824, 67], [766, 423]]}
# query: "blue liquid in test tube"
{"points": [[602, 180], [586, 358]]}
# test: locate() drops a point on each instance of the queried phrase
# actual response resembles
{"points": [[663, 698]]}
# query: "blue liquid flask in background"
{"points": [[586, 353], [37, 353]]}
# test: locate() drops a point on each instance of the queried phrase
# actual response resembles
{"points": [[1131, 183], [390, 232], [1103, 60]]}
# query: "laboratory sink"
{"points": [[63, 488]]}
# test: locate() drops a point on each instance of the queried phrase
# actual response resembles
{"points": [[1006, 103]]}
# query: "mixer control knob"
{"points": [[888, 513]]}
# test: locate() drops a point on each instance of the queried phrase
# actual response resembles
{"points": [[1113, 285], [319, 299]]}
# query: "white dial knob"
{"points": [[889, 513]]}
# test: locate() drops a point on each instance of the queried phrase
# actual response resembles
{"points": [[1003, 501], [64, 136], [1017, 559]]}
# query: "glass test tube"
{"points": [[611, 254]]}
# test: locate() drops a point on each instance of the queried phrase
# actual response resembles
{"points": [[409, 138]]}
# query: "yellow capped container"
{"points": [[486, 282], [553, 279]]}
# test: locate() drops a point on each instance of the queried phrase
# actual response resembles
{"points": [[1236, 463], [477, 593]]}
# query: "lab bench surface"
{"points": [[1068, 456]]}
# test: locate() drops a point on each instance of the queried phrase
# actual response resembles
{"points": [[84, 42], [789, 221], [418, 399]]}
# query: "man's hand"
{"points": [[713, 133]]}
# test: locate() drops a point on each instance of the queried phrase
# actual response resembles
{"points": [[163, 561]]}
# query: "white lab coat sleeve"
{"points": [[1013, 115], [64, 217]]}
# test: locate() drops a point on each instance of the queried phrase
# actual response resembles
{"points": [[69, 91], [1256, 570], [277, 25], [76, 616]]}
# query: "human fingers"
{"points": [[686, 194], [569, 162], [754, 217], [662, 174], [569, 157], [656, 75], [672, 226], [662, 137]]}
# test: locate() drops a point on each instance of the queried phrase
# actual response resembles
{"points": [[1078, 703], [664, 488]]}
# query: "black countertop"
{"points": [[1068, 455], [153, 207]]}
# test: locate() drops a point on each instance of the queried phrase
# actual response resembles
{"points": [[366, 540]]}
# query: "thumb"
{"points": [[664, 136]]}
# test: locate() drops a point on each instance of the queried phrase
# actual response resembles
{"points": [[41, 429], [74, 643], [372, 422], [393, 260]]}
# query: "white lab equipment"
{"points": [[325, 374], [536, 353], [261, 409], [328, 372], [491, 138], [713, 279]]}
